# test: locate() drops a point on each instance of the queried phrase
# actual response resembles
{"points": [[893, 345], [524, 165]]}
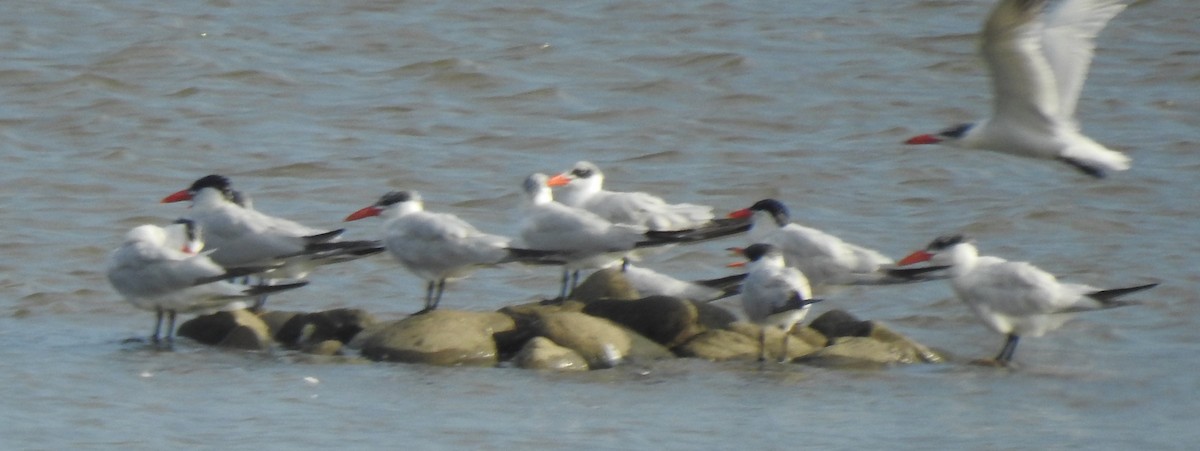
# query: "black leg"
{"points": [[1010, 346], [170, 328], [261, 300], [762, 344], [786, 335], [158, 317], [428, 297], [566, 280], [437, 297]]}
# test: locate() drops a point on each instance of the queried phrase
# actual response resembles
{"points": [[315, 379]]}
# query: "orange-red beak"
{"points": [[364, 213], [741, 214], [923, 139], [558, 180], [736, 265], [178, 197], [915, 257]]}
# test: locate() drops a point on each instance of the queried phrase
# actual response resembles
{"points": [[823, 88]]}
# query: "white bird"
{"points": [[438, 246], [1013, 298], [648, 282], [1038, 63], [586, 240], [825, 259], [583, 187], [241, 236], [773, 294], [159, 269]]}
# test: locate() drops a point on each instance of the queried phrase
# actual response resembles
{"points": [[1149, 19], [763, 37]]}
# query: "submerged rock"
{"points": [[440, 337]]}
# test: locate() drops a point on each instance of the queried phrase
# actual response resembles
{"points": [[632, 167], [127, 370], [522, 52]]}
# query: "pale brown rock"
{"points": [[238, 329], [540, 353], [666, 320], [601, 342], [608, 284], [439, 337]]}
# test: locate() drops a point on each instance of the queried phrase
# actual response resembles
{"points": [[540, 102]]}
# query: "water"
{"points": [[317, 108]]}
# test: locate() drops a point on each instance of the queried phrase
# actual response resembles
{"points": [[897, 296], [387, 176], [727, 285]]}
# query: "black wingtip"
{"points": [[259, 290], [1107, 296], [1089, 169], [535, 256]]}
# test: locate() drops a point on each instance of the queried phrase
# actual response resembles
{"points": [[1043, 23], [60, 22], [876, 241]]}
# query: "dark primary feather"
{"points": [[1108, 296]]}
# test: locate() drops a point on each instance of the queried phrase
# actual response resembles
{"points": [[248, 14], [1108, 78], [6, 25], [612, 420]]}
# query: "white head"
{"points": [[946, 250], [206, 190], [584, 177], [536, 190], [391, 205]]}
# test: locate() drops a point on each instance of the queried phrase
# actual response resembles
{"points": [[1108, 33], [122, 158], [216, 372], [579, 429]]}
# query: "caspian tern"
{"points": [[583, 187], [649, 282], [823, 258], [241, 236], [438, 246], [586, 240], [1014, 298], [154, 271], [1038, 63], [773, 294]]}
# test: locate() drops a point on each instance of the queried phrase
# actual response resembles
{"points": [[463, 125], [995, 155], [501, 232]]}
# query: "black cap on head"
{"points": [[756, 251], [774, 207], [395, 197], [945, 242]]}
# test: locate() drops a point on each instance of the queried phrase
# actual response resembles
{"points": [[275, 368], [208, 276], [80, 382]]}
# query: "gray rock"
{"points": [[540, 353], [601, 342], [440, 337]]}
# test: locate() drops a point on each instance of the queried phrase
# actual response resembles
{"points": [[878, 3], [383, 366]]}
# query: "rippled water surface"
{"points": [[317, 108]]}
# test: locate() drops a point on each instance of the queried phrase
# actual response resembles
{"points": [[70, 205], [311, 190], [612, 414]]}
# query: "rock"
{"points": [[839, 323], [542, 354], [880, 348], [740, 342], [275, 319], [601, 342], [607, 283], [535, 309], [910, 351], [666, 320], [719, 345], [440, 337], [238, 329], [327, 347], [304, 329]]}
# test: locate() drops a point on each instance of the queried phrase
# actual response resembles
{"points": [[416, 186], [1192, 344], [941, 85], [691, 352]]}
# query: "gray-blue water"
{"points": [[316, 108]]}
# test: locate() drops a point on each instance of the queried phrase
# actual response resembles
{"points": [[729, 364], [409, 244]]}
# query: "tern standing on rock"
{"points": [[160, 269], [438, 246], [773, 294]]}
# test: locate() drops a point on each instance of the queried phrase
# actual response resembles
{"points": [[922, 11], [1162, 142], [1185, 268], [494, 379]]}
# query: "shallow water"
{"points": [[316, 109]]}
